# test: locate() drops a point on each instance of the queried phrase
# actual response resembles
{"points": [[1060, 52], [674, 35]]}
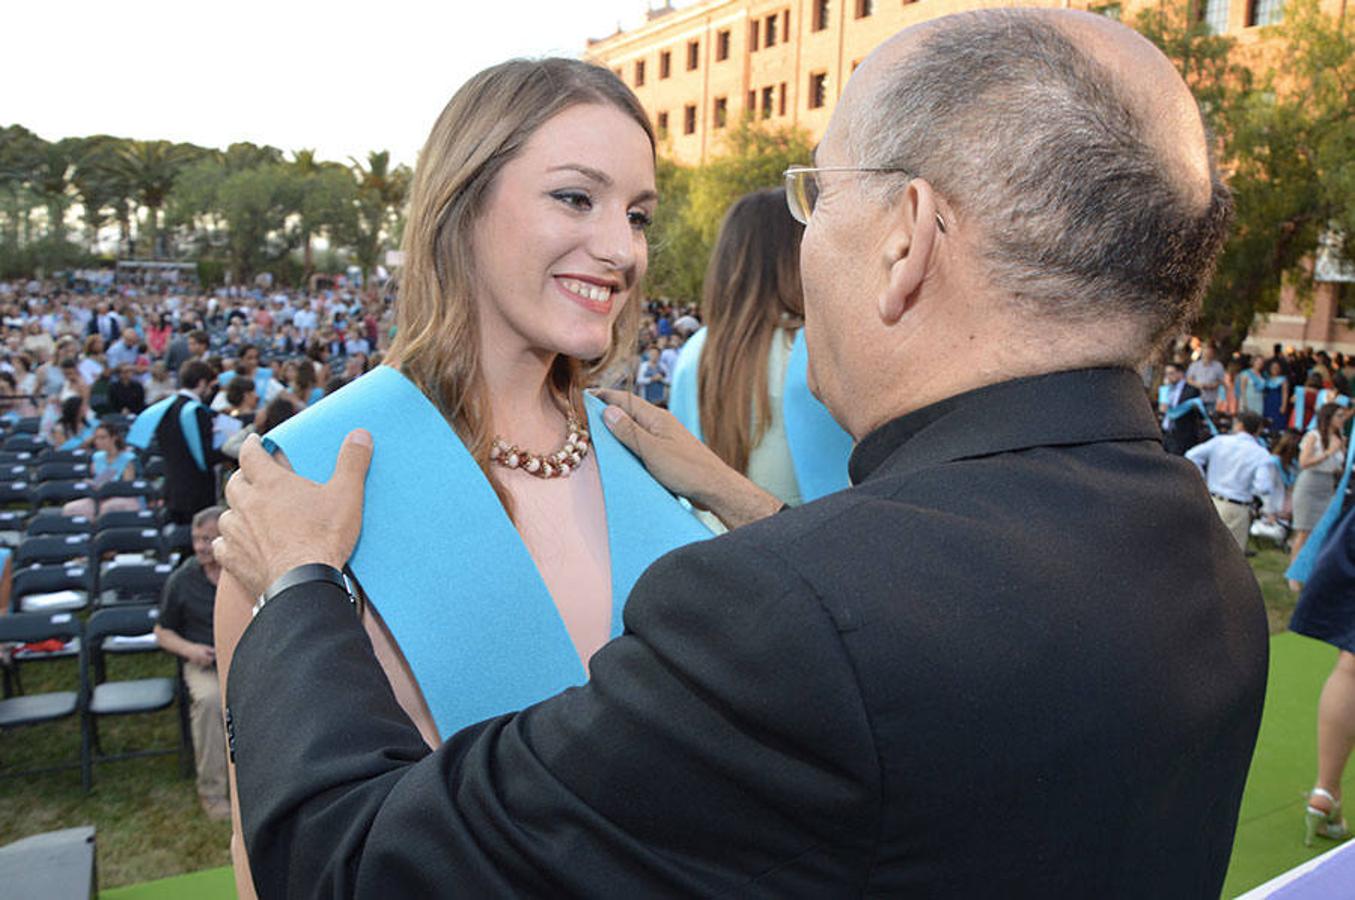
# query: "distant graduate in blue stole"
{"points": [[1302, 566], [819, 447], [443, 564]]}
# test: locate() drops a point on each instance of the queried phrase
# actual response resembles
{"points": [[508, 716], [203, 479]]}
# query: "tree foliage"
{"points": [[1285, 137], [693, 201]]}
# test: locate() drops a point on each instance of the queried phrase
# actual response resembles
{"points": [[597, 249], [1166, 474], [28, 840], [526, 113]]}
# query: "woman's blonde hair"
{"points": [[752, 286], [484, 126]]}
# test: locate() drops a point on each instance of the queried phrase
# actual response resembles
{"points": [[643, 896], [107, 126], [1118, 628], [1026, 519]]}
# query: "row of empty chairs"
{"points": [[91, 694]]}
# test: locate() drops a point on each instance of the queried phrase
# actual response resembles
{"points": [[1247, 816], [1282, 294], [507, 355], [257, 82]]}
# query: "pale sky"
{"points": [[340, 77]]}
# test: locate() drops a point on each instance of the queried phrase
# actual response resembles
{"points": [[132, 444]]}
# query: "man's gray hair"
{"points": [[1080, 218], [207, 516]]}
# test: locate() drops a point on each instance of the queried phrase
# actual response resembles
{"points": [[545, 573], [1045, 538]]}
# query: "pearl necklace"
{"points": [[559, 464]]}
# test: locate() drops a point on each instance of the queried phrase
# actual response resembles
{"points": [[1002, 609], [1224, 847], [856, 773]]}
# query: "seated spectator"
{"points": [[112, 460], [185, 629], [126, 394]]}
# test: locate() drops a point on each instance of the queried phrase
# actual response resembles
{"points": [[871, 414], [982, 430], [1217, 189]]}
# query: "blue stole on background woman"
{"points": [[1302, 566], [819, 447], [442, 562], [142, 431]]}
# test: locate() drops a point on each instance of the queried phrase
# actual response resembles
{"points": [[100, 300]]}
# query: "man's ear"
{"points": [[908, 249]]}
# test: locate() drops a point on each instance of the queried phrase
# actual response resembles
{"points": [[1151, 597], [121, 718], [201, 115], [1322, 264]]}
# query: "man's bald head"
{"points": [[1068, 146]]}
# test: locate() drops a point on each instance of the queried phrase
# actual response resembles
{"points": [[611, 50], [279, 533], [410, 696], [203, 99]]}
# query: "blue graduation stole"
{"points": [[443, 563], [75, 443], [262, 377], [1300, 408], [1326, 395], [819, 447], [1302, 566], [1196, 404], [142, 430]]}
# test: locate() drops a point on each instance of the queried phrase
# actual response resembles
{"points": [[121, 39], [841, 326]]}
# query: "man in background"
{"points": [[187, 605]]}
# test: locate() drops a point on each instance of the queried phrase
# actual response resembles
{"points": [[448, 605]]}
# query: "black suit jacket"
{"points": [[1184, 432], [187, 487], [1021, 657]]}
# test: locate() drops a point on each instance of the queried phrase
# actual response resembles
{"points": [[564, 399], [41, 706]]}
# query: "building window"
{"points": [[1343, 299], [663, 124], [721, 111], [722, 45], [1214, 14], [665, 64], [771, 31], [864, 8], [639, 73], [785, 23], [768, 97], [693, 54], [689, 119], [818, 90], [781, 99], [752, 103], [754, 30], [1265, 12], [820, 20]]}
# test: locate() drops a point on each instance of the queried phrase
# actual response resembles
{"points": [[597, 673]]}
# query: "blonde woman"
{"points": [[498, 552]]}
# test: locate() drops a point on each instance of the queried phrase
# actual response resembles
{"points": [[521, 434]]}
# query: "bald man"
{"points": [[1019, 657]]}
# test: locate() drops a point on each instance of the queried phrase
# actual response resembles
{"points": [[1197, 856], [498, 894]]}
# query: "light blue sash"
{"points": [[443, 563], [1194, 403], [1302, 566], [1326, 395], [262, 377], [819, 447], [1300, 408], [142, 430]]}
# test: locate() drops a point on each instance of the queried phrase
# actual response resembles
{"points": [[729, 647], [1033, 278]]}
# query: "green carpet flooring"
{"points": [[209, 884], [1270, 828]]}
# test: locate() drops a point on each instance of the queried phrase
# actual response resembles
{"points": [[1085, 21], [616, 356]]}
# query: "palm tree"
{"points": [[97, 186], [381, 195], [151, 167], [20, 157]]}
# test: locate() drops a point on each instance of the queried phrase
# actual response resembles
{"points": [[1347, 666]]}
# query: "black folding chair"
{"points": [[51, 521], [20, 442], [58, 493], [51, 588], [27, 425], [16, 492], [128, 518], [177, 539], [51, 455], [122, 583], [17, 458], [52, 548], [154, 467], [120, 698], [13, 527], [14, 472], [139, 487], [18, 710], [114, 541], [48, 470]]}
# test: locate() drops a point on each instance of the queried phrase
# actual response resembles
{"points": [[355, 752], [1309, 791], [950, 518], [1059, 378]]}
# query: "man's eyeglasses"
{"points": [[802, 188]]}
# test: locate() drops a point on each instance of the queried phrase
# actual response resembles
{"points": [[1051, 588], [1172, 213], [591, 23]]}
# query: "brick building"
{"points": [[698, 68]]}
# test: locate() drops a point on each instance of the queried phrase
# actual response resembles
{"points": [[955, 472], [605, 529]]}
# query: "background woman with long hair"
{"points": [[1321, 460], [739, 384]]}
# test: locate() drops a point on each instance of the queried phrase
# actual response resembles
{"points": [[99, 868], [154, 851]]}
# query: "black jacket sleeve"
{"points": [[720, 748]]}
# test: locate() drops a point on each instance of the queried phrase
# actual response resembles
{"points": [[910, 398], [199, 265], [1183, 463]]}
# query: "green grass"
{"points": [[150, 827], [147, 818]]}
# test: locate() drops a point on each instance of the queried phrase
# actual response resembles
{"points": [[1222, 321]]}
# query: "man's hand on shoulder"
{"points": [[278, 520]]}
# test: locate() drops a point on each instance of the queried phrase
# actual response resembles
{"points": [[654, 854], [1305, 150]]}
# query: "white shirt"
{"points": [[1235, 466]]}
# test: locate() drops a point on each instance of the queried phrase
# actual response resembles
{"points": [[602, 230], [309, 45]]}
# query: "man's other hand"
{"points": [[278, 520]]}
